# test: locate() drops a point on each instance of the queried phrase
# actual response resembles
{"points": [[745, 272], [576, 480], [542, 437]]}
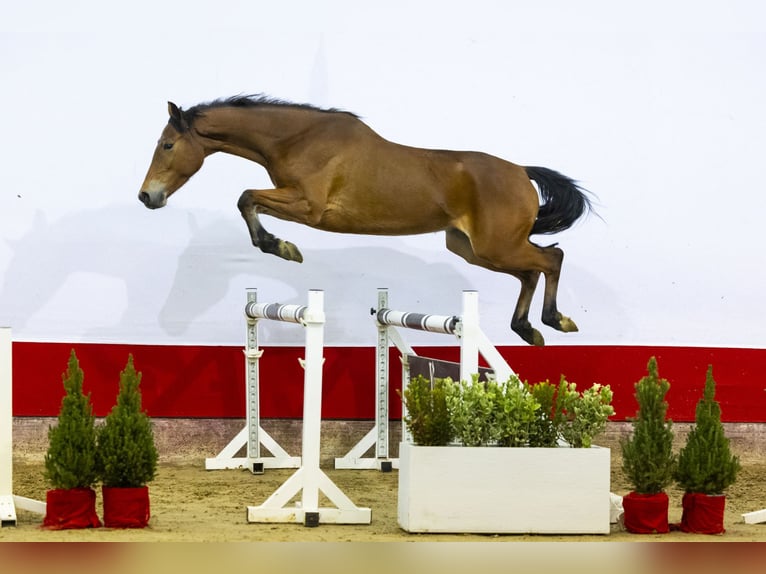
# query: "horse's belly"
{"points": [[382, 220]]}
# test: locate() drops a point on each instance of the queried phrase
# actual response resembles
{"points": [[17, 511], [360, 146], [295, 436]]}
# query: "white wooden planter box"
{"points": [[504, 490]]}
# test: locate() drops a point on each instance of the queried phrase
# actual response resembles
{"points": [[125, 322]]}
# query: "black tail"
{"points": [[564, 202]]}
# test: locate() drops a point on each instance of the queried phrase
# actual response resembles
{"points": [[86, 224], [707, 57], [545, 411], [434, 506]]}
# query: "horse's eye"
{"points": [[167, 145]]}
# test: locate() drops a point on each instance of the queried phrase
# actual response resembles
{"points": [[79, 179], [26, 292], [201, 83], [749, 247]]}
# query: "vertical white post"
{"points": [[378, 436], [6, 413], [469, 349], [309, 478], [252, 436], [313, 320], [8, 501], [381, 383], [473, 342], [252, 384]]}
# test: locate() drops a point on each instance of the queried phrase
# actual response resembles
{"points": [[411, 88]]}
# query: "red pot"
{"points": [[703, 513], [646, 513], [126, 507], [70, 508]]}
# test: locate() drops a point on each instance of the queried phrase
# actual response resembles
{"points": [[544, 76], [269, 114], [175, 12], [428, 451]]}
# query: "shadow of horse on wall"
{"points": [[216, 259], [173, 289]]}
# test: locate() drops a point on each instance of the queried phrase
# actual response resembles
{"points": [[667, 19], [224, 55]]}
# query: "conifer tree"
{"points": [[647, 456], [127, 456], [70, 461], [706, 464]]}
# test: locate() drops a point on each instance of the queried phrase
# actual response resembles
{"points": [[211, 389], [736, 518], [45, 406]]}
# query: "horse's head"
{"points": [[177, 157]]}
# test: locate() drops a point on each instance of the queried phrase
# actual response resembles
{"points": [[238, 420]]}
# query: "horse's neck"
{"points": [[252, 133]]}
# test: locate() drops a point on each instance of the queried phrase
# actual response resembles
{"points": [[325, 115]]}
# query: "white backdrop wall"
{"points": [[657, 107]]}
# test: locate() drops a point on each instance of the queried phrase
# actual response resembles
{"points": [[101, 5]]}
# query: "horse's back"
{"points": [[369, 184]]}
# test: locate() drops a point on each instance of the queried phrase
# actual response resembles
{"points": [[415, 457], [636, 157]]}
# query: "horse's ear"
{"points": [[177, 119]]}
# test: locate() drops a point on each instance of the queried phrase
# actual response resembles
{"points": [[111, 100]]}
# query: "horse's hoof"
{"points": [[529, 334], [560, 323], [289, 251], [537, 339], [567, 325]]}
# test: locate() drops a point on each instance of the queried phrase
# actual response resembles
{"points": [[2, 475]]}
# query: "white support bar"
{"points": [[252, 436], [8, 501], [29, 504], [7, 508], [227, 459], [468, 334], [309, 479], [378, 436], [755, 517], [473, 342]]}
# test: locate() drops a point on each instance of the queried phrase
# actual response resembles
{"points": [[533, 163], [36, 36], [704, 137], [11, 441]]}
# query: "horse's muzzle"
{"points": [[152, 200]]}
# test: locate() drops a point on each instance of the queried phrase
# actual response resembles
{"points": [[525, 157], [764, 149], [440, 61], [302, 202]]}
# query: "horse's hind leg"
{"points": [[459, 243], [551, 315], [265, 241], [526, 261], [520, 321]]}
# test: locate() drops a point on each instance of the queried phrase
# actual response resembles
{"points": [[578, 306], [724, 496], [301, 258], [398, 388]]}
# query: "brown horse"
{"points": [[332, 172]]}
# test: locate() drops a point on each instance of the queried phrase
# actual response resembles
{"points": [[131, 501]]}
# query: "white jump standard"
{"points": [[253, 436], [309, 479], [473, 342], [9, 501]]}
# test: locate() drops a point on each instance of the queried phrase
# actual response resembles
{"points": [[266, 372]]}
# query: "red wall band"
{"points": [[208, 381]]}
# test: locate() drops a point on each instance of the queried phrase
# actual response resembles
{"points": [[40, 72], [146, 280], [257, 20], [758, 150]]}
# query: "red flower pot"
{"points": [[646, 513], [703, 513], [126, 507], [70, 508]]}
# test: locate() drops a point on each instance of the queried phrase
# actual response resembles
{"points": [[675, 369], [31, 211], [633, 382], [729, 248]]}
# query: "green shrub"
{"points": [[544, 431], [70, 461], [584, 415], [510, 413], [126, 455], [471, 410], [706, 464], [516, 413], [488, 412], [426, 411]]}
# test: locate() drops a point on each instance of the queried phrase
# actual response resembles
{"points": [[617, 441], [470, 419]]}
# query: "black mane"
{"points": [[252, 101]]}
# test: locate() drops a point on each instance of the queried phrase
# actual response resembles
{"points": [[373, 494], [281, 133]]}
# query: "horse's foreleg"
{"points": [[265, 241]]}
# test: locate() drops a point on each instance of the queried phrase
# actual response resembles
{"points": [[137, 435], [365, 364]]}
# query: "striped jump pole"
{"points": [[309, 479], [389, 322]]}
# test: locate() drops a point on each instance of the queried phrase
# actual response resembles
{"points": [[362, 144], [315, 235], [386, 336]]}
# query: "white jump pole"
{"points": [[9, 501], [253, 435], [473, 342], [309, 479]]}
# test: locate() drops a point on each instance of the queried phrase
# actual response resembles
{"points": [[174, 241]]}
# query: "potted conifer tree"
{"points": [[706, 467], [70, 462], [647, 457], [126, 456]]}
